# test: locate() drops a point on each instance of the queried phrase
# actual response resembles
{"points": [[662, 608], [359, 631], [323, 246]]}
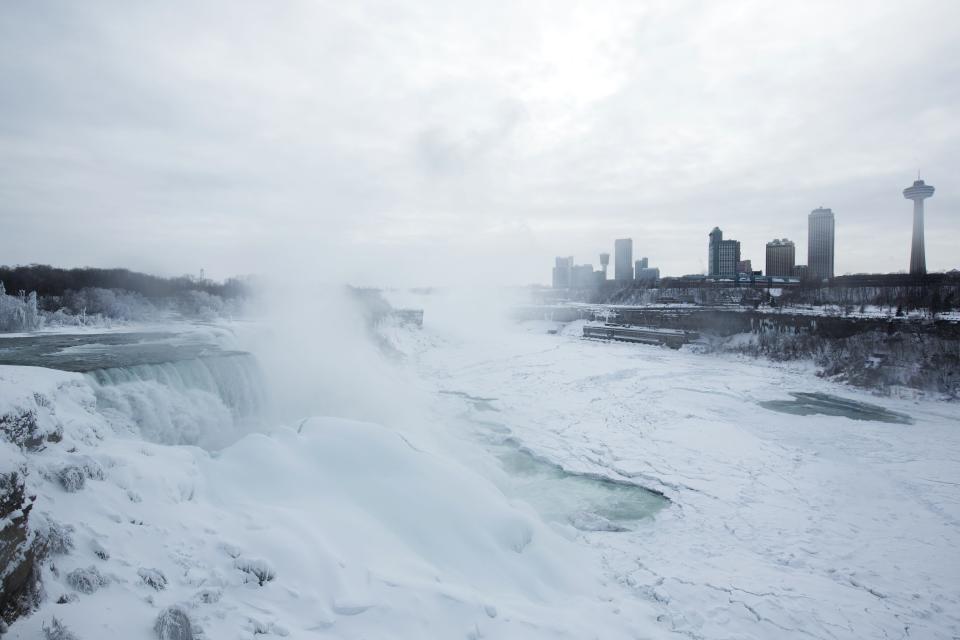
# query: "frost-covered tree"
{"points": [[19, 313]]}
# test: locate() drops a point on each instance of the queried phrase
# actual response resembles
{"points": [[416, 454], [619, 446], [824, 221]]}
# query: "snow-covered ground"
{"points": [[325, 527], [427, 525]]}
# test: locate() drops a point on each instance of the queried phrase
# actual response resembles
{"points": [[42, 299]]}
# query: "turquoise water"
{"points": [[588, 502]]}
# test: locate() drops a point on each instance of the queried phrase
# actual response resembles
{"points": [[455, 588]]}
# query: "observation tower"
{"points": [[919, 192]]}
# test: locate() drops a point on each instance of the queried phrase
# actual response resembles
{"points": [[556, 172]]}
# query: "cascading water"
{"points": [[207, 401]]}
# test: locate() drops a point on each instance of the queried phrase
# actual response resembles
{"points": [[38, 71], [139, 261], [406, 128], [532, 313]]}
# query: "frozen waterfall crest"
{"points": [[208, 401]]}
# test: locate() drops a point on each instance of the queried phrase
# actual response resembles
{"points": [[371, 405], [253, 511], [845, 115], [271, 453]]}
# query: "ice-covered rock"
{"points": [[20, 428], [53, 537], [56, 630], [73, 475], [173, 623], [31, 426], [86, 580], [153, 578], [99, 550], [208, 596], [257, 568]]}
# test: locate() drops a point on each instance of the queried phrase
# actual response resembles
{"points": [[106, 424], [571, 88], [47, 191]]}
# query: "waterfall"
{"points": [[208, 401]]}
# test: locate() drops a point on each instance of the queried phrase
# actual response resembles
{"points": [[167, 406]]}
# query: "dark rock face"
{"points": [[19, 564]]}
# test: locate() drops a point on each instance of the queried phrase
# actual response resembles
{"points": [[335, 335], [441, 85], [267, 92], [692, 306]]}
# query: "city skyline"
{"points": [[826, 252]]}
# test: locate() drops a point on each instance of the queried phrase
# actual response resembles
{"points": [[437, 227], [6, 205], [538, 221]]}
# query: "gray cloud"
{"points": [[381, 142]]}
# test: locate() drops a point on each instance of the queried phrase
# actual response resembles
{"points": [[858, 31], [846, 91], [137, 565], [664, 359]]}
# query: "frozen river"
{"points": [[798, 508]]}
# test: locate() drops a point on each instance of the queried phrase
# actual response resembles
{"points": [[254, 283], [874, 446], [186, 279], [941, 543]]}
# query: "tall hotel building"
{"points": [[781, 258], [723, 256], [623, 259], [820, 244]]}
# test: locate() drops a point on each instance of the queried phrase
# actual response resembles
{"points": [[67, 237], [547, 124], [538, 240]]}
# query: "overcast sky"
{"points": [[417, 143]]}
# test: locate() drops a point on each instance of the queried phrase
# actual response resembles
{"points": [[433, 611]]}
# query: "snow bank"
{"points": [[329, 528]]}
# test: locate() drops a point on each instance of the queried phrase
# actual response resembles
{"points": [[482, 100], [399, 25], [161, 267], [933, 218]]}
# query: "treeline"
{"points": [[37, 296], [53, 281], [935, 298]]}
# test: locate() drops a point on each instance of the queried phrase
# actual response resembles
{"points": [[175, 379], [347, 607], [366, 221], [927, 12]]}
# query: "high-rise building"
{"points": [[713, 255], [563, 273], [604, 263], [623, 256], [800, 271], [642, 263], [745, 266], [820, 244], [729, 258], [781, 258], [581, 276], [723, 255], [919, 192]]}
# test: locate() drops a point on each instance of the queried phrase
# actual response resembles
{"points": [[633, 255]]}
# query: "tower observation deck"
{"points": [[919, 192]]}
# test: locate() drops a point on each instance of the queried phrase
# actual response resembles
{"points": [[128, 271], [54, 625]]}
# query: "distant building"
{"points": [[745, 266], [713, 255], [781, 257], [563, 273], [623, 256], [820, 244], [767, 281], [723, 255], [646, 274], [800, 271], [643, 273], [729, 257], [582, 276]]}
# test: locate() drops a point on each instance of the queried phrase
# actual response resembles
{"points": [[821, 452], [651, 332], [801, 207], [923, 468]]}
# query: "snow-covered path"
{"points": [[782, 525]]}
